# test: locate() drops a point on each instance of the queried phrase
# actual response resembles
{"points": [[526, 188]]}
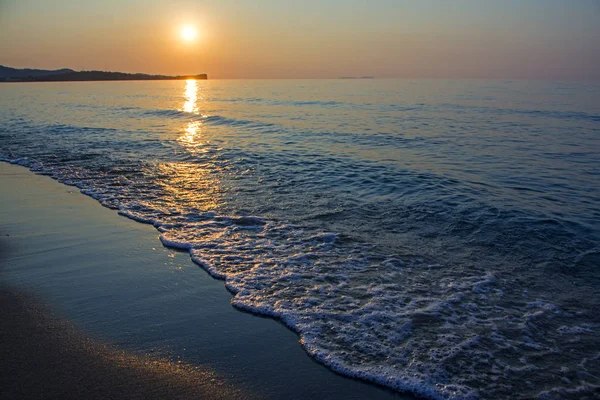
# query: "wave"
{"points": [[173, 114], [366, 314], [218, 120], [274, 102], [409, 108], [215, 120], [564, 115], [321, 103]]}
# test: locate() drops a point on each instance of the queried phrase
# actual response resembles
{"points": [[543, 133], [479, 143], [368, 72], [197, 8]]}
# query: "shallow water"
{"points": [[435, 236]]}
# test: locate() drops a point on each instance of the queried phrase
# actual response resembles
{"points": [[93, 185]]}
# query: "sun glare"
{"points": [[188, 33]]}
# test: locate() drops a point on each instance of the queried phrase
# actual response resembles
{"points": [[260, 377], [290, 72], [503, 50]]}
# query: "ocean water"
{"points": [[438, 237]]}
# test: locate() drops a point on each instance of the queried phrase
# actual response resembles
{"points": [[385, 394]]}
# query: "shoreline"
{"points": [[174, 78], [149, 299]]}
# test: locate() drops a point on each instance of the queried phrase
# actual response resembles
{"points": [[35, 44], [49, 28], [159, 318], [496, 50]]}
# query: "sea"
{"points": [[439, 237]]}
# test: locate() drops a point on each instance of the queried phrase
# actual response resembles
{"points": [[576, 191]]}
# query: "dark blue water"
{"points": [[435, 236]]}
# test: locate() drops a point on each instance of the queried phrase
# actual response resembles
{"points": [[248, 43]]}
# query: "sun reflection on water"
{"points": [[193, 182], [191, 96], [190, 139], [191, 185]]}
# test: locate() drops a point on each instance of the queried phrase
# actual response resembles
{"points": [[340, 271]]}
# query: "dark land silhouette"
{"points": [[8, 74]]}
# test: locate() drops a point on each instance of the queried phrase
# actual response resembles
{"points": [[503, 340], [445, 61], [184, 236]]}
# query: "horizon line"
{"points": [[340, 77]]}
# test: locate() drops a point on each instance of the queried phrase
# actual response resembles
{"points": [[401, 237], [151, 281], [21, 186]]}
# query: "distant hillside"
{"points": [[8, 74], [356, 77]]}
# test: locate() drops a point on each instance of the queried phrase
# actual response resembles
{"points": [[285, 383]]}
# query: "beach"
{"points": [[93, 306], [44, 357]]}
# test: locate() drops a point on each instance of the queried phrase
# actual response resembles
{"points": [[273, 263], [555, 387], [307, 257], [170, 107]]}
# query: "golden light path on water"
{"points": [[192, 138], [193, 183], [191, 96]]}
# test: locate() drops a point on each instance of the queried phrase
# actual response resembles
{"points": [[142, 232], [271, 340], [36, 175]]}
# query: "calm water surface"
{"points": [[441, 237]]}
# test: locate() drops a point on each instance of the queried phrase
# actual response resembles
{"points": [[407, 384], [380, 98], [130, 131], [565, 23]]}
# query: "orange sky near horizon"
{"points": [[550, 39]]}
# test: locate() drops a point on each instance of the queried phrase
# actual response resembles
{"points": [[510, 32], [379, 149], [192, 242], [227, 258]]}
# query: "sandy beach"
{"points": [[44, 357], [93, 306]]}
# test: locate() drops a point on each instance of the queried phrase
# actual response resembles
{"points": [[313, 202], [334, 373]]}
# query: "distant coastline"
{"points": [[356, 77], [8, 74]]}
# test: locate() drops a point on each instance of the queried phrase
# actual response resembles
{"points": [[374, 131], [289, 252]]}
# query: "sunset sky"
{"points": [[545, 39]]}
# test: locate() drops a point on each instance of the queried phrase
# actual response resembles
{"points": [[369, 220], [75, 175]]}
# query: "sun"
{"points": [[188, 33]]}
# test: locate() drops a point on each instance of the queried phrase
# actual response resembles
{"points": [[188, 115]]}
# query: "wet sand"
{"points": [[92, 306], [44, 357]]}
